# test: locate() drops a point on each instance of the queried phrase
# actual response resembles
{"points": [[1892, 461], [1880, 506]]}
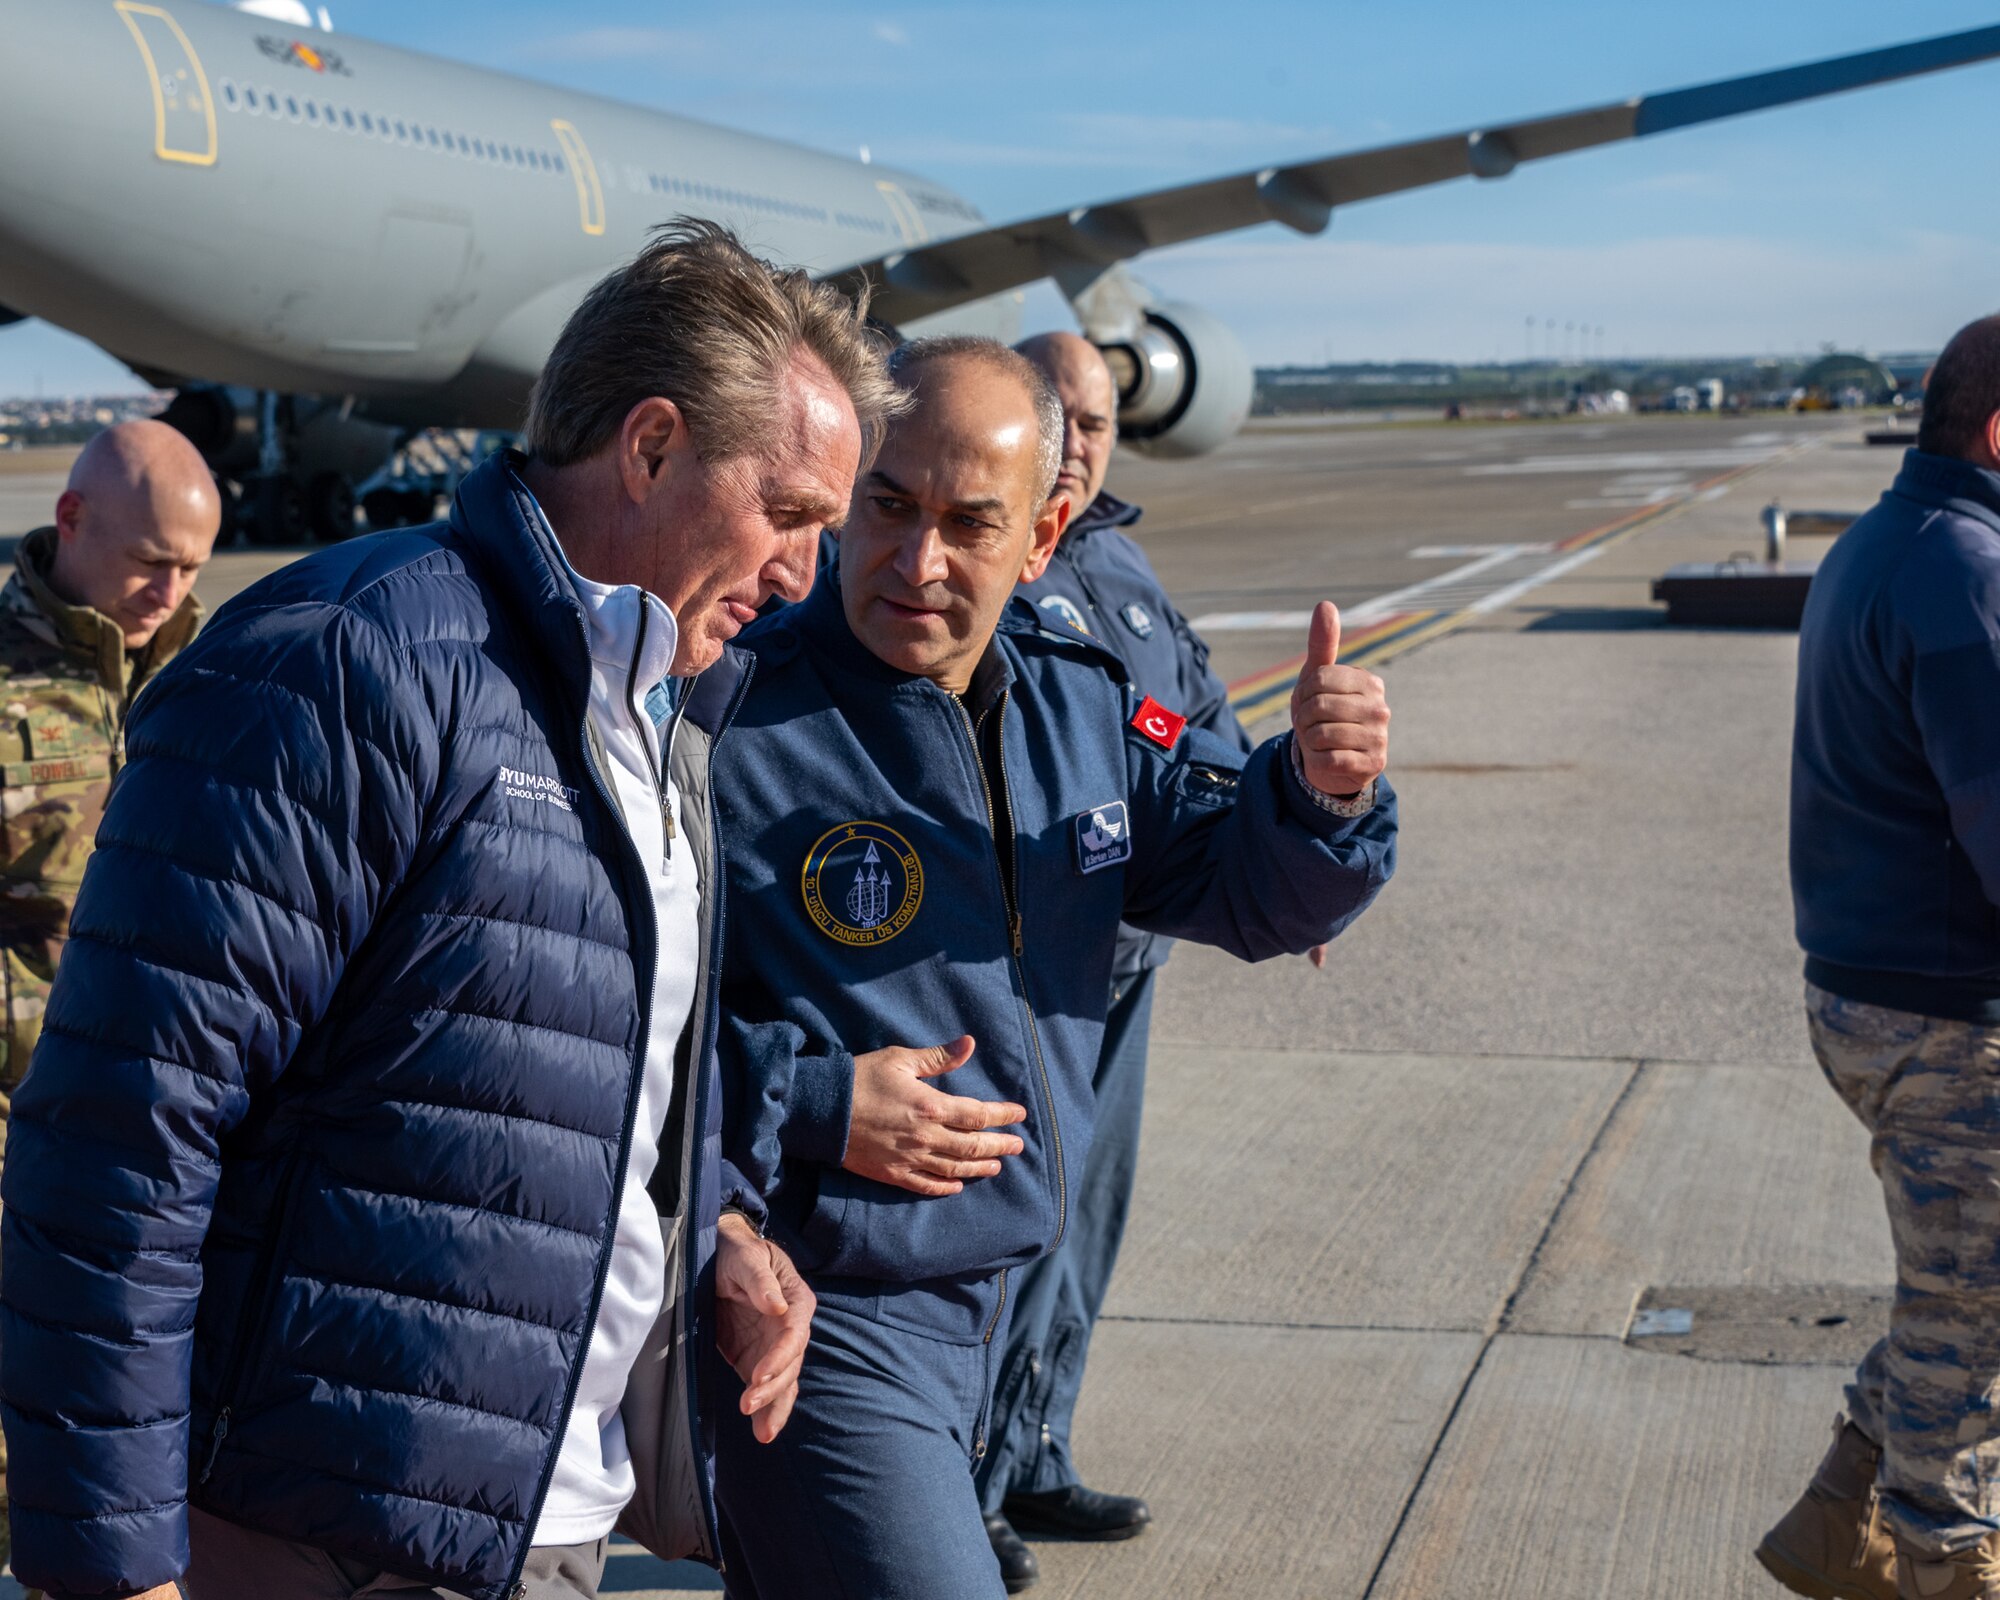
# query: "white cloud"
{"points": [[891, 33]]}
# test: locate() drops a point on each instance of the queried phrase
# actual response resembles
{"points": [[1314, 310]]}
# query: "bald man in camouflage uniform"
{"points": [[98, 603]]}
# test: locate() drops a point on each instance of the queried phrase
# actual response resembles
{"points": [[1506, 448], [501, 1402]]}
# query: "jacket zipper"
{"points": [[646, 730], [705, 999], [516, 1588], [1010, 898], [268, 1263]]}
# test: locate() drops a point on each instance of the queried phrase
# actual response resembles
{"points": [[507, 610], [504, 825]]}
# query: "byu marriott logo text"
{"points": [[518, 785]]}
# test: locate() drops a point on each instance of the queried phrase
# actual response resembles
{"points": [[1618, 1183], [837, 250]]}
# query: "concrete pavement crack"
{"points": [[1497, 1325]]}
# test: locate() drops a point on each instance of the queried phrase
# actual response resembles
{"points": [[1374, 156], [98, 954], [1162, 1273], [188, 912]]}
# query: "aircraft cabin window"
{"points": [[347, 119], [292, 107], [431, 134], [367, 123], [312, 112], [229, 94]]}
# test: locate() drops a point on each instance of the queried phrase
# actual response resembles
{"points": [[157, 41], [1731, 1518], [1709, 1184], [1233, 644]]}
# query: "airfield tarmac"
{"points": [[1382, 1325]]}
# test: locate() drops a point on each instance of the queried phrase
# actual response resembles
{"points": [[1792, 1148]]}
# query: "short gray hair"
{"points": [[910, 359], [697, 319]]}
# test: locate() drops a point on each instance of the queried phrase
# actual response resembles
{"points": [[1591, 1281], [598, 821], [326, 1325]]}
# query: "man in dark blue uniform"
{"points": [[1098, 581], [962, 810]]}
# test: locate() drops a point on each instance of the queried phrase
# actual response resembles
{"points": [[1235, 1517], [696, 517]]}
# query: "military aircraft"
{"points": [[324, 243]]}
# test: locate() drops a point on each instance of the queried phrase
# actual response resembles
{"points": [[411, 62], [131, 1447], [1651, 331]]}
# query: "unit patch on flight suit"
{"points": [[1064, 609], [862, 883], [1138, 619], [1103, 837]]}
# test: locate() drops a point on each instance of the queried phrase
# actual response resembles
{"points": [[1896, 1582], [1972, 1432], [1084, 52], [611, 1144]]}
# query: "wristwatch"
{"points": [[1356, 806]]}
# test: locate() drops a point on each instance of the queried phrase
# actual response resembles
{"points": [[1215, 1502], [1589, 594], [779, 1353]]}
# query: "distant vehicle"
{"points": [[1708, 394], [1683, 398]]}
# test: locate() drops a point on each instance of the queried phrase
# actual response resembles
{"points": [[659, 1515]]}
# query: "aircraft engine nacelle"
{"points": [[220, 422], [227, 423], [1184, 383]]}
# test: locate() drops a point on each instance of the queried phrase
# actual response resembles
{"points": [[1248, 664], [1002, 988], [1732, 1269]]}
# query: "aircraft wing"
{"points": [[1074, 245]]}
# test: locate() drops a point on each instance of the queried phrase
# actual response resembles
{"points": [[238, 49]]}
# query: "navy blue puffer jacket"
{"points": [[309, 1193]]}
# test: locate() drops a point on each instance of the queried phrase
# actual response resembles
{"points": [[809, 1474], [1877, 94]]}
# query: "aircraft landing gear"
{"points": [[290, 463]]}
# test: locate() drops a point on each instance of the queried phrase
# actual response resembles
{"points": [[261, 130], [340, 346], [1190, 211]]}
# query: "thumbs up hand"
{"points": [[1340, 715]]}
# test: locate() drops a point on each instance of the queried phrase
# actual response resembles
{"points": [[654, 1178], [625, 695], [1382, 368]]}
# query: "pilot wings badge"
{"points": [[1103, 837], [862, 883]]}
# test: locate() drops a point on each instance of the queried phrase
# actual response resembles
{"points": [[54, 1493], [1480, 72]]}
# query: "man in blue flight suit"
{"points": [[1100, 582], [962, 810]]}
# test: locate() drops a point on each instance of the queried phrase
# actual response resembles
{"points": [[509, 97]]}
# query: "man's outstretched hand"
{"points": [[764, 1316], [1340, 715], [903, 1131]]}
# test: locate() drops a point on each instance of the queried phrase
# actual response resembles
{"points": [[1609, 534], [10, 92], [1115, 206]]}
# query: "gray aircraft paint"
{"points": [[148, 205], [282, 248]]}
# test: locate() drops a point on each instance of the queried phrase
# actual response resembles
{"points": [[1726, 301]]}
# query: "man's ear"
{"points": [[1048, 532], [69, 514], [1990, 439], [653, 444]]}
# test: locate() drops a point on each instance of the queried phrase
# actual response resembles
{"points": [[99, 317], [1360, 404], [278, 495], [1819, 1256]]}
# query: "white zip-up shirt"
{"points": [[632, 642]]}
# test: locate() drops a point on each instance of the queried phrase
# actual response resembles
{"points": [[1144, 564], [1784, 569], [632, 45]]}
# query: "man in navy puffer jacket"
{"points": [[934, 830], [361, 1209]]}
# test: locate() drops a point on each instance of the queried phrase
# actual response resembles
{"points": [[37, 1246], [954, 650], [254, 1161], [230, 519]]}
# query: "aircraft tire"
{"points": [[277, 511], [330, 508]]}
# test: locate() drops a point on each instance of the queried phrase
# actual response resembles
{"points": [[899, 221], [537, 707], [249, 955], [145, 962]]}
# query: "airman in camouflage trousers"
{"points": [[1928, 1091]]}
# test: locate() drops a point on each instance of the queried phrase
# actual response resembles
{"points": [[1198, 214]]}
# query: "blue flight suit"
{"points": [[1100, 581], [906, 865]]}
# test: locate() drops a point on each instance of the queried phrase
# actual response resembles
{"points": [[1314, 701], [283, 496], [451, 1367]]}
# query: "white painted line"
{"points": [[1502, 598], [1369, 610], [1448, 552], [1635, 461]]}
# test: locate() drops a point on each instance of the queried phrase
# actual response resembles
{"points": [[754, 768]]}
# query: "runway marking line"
{"points": [[1261, 693]]}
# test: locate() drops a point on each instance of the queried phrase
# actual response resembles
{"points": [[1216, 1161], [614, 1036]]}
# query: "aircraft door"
{"points": [[183, 113], [908, 222], [589, 192]]}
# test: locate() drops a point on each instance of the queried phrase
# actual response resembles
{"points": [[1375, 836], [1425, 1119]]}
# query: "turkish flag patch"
{"points": [[1157, 723]]}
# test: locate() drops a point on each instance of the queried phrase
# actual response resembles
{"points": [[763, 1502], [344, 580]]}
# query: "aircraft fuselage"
{"points": [[211, 195]]}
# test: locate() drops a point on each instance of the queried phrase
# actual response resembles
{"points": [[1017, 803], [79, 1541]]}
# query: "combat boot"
{"points": [[1970, 1575], [1832, 1545]]}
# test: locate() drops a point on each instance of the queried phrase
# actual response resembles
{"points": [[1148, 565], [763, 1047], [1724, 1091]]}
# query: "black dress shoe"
{"points": [[1018, 1567], [1079, 1513]]}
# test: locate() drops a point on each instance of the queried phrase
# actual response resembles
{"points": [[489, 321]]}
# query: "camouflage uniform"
{"points": [[66, 683], [1928, 1091]]}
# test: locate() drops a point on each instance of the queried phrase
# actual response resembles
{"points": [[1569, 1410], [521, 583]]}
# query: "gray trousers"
{"points": [[232, 1563]]}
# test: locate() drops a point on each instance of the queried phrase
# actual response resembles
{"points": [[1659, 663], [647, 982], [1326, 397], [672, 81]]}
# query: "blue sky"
{"points": [[1863, 221]]}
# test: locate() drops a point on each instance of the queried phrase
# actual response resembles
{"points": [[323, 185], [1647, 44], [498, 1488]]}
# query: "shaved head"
{"points": [[134, 526], [1089, 398]]}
